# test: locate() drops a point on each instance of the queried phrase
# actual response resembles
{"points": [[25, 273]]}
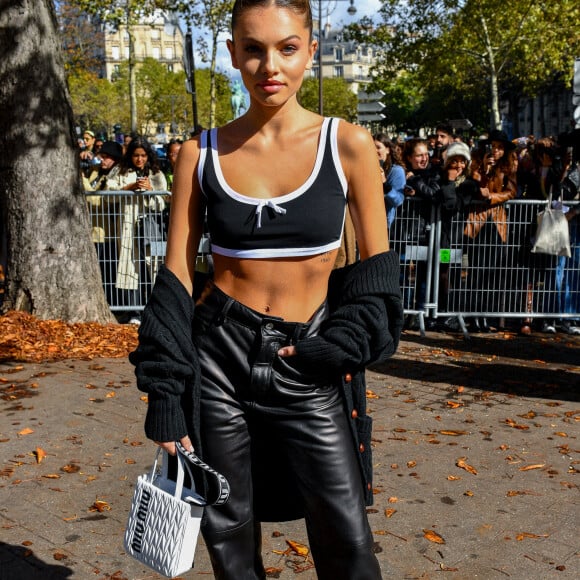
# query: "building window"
{"points": [[338, 53], [170, 67], [115, 53], [169, 52], [360, 73], [156, 52], [339, 72], [155, 34]]}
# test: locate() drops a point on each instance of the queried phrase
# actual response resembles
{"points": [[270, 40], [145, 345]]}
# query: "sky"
{"points": [[335, 10]]}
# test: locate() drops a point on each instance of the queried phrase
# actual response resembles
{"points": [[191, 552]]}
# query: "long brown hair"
{"points": [[409, 149], [393, 158]]}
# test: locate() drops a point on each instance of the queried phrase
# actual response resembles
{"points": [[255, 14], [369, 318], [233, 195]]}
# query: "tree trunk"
{"points": [[212, 81], [51, 266], [132, 79], [495, 119]]}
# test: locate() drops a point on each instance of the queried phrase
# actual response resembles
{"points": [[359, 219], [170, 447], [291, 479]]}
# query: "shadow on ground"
{"points": [[520, 366], [20, 563]]}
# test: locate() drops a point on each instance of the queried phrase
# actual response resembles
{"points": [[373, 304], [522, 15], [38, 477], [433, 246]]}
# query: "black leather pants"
{"points": [[253, 401]]}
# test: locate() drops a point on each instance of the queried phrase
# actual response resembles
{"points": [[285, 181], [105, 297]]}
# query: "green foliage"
{"points": [[339, 100], [403, 99], [161, 98], [474, 50], [160, 94], [97, 104]]}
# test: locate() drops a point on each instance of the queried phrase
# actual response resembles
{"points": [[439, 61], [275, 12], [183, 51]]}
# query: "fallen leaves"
{"points": [[523, 535], [461, 462], [433, 536], [514, 492], [298, 566], [530, 467], [100, 506], [294, 548], [453, 432], [27, 338], [40, 454], [71, 468], [515, 425]]}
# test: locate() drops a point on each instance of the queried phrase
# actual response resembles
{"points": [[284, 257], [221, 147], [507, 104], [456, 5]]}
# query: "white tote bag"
{"points": [[552, 232], [165, 516]]}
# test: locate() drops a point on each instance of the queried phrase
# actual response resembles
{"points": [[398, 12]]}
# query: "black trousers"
{"points": [[249, 396]]}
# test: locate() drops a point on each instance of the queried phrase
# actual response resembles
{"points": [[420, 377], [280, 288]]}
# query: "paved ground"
{"points": [[476, 456]]}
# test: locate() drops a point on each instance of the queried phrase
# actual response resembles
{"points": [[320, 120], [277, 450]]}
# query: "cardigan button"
{"points": [[354, 414], [361, 448], [369, 486], [348, 377]]}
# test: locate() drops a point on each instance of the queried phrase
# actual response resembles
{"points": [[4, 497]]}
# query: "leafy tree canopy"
{"points": [[471, 47], [339, 100]]}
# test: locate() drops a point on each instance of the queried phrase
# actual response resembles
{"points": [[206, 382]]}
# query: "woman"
{"points": [[457, 191], [486, 230], [139, 172], [423, 186], [270, 388], [392, 174]]}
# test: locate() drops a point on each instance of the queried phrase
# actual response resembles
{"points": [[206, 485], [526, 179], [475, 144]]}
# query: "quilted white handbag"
{"points": [[165, 516]]}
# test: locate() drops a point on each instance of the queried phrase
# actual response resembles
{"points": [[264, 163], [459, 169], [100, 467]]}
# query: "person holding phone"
{"points": [[487, 227], [260, 368], [139, 172]]}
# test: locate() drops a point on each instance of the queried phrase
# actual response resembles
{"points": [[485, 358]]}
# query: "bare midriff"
{"points": [[289, 288]]}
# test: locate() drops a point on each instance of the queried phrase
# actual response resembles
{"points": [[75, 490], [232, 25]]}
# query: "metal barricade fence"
{"points": [[443, 271], [129, 231], [412, 236], [485, 273]]}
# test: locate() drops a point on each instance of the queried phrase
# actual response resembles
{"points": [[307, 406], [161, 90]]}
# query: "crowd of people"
{"points": [[461, 176], [474, 180]]}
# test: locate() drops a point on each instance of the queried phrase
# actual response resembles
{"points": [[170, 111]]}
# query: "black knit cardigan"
{"points": [[363, 327]]}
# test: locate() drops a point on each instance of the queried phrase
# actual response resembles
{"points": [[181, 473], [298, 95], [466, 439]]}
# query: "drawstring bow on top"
{"points": [[267, 203]]}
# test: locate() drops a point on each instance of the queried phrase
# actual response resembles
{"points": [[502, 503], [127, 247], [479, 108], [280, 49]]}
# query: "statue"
{"points": [[238, 99]]}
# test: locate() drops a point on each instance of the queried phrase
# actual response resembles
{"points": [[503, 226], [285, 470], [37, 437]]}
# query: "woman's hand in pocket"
{"points": [[287, 351]]}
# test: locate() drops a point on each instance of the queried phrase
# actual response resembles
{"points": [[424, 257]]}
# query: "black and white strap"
{"points": [[219, 488]]}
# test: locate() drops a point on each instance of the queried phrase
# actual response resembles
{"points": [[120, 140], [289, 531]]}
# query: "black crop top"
{"points": [[304, 222]]}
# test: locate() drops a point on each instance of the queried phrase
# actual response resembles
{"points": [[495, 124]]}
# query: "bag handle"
{"points": [[182, 466], [218, 486]]}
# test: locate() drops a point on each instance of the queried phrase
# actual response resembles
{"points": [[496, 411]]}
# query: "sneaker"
{"points": [[548, 326], [568, 327], [134, 320]]}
